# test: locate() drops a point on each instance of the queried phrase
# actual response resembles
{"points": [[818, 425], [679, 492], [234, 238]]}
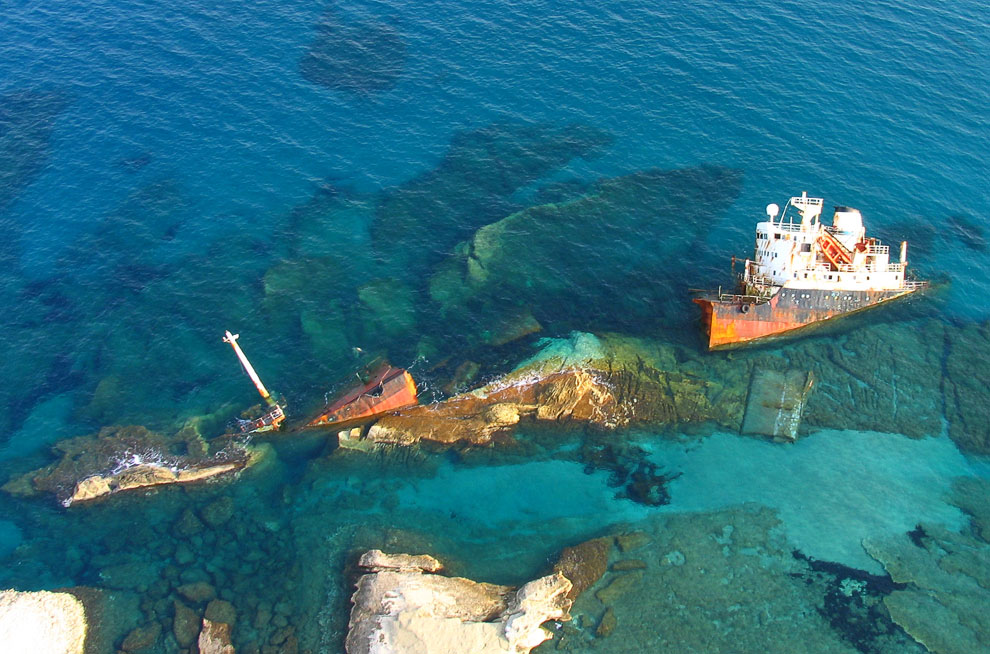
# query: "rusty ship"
{"points": [[385, 388], [804, 272]]}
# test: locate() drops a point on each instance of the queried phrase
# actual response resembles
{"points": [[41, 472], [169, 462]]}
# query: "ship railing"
{"points": [[912, 285], [743, 298], [877, 249], [763, 293], [895, 267]]}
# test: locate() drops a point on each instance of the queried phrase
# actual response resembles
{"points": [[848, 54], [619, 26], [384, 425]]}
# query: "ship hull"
{"points": [[388, 389], [733, 322]]}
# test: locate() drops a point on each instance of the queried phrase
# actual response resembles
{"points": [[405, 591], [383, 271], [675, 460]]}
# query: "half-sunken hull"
{"points": [[388, 389], [733, 321]]}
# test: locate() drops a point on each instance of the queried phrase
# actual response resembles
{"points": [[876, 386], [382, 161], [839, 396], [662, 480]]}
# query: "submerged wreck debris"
{"points": [[775, 403], [126, 458], [270, 419], [401, 602], [565, 396]]}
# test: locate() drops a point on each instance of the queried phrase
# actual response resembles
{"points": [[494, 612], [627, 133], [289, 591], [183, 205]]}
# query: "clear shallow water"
{"points": [[158, 163]]}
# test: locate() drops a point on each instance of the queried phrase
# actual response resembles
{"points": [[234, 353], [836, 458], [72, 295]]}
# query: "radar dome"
{"points": [[772, 210]]}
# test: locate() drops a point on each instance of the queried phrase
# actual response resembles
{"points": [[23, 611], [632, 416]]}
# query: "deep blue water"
{"points": [[159, 160]]}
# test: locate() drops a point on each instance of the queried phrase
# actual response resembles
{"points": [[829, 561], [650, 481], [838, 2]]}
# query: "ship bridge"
{"points": [[798, 250]]}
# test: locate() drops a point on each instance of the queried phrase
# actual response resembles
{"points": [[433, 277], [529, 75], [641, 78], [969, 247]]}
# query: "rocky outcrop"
{"points": [[584, 564], [42, 622], [406, 609], [579, 396], [605, 382], [379, 561], [126, 458], [141, 476], [214, 638]]}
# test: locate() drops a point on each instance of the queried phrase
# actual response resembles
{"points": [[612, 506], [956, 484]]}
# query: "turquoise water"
{"points": [[303, 174]]}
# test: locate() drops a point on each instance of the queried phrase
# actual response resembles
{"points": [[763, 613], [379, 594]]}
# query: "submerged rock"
{"points": [[967, 378], [947, 577], [27, 119], [636, 233], [584, 564], [419, 222], [361, 58], [142, 638], [410, 611], [721, 581], [185, 624], [125, 458], [42, 622]]}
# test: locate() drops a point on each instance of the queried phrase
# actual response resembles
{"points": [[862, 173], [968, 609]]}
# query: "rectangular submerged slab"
{"points": [[776, 400]]}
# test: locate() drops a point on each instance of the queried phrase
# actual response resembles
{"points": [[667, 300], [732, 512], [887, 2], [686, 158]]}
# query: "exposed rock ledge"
{"points": [[402, 609], [125, 458], [575, 395], [42, 622], [141, 476]]}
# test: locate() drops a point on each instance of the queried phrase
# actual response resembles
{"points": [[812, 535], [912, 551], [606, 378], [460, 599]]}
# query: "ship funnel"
{"points": [[904, 252], [772, 211]]}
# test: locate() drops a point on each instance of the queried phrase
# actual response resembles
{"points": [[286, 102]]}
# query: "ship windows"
{"points": [[806, 247], [777, 236]]}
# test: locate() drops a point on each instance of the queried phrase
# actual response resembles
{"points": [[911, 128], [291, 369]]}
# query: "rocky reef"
{"points": [[559, 259], [403, 607], [967, 377], [725, 581], [418, 223], [126, 458], [944, 578]]}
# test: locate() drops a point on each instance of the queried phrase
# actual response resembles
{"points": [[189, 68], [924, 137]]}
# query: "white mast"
{"points": [[232, 339]]}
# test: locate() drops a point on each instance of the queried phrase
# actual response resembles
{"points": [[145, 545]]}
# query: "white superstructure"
{"points": [[798, 251]]}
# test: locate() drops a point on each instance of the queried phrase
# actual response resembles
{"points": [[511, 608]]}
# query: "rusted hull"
{"points": [[388, 389], [733, 322]]}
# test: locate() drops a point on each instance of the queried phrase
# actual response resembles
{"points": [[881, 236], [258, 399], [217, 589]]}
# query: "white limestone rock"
{"points": [[377, 561], [411, 612], [41, 623]]}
